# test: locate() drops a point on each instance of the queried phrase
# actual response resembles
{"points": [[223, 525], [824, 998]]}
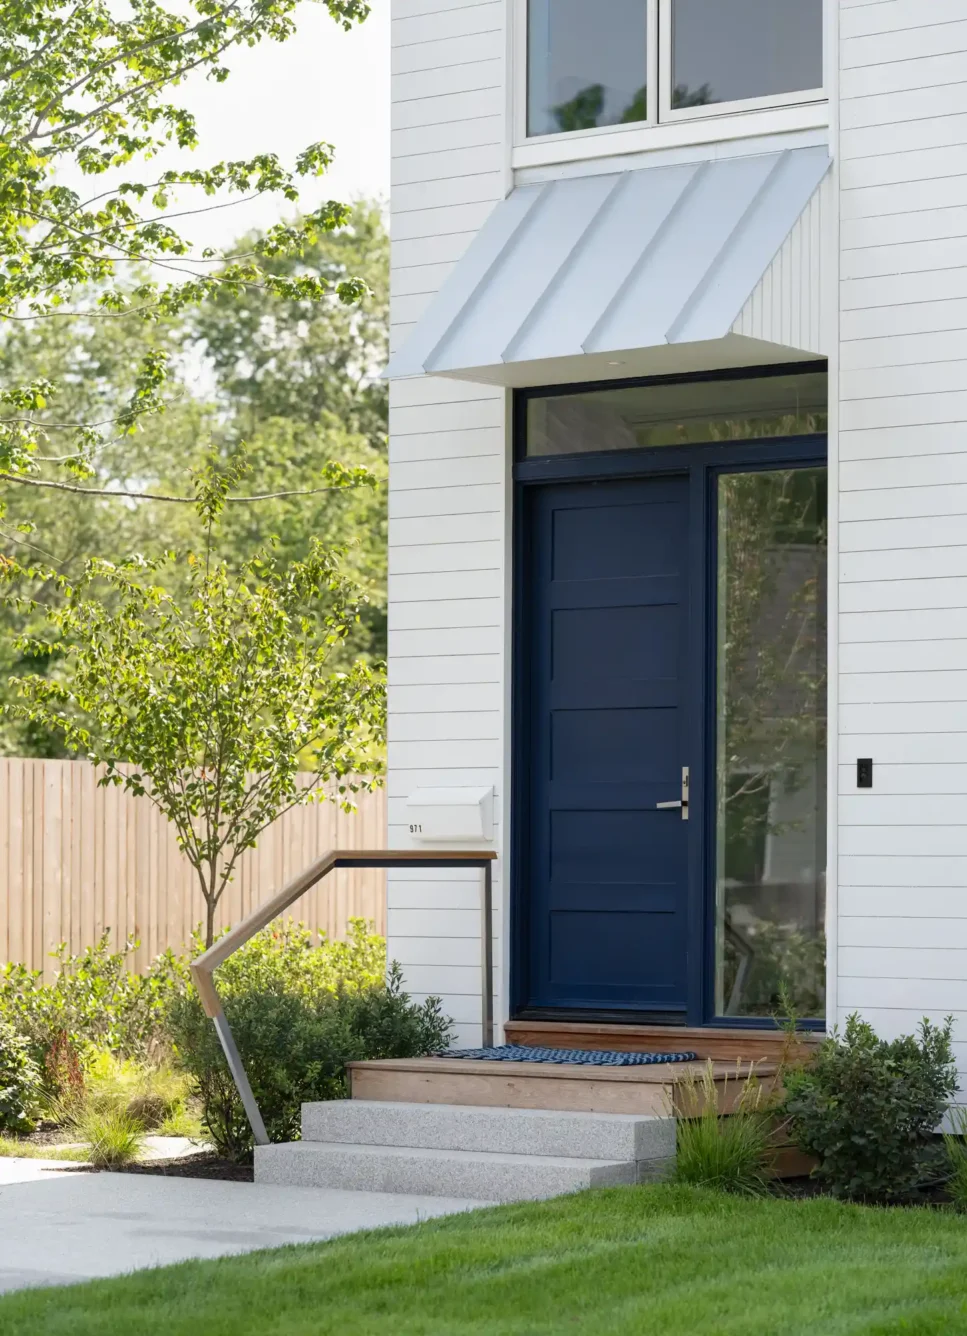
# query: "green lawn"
{"points": [[29, 1150], [628, 1261]]}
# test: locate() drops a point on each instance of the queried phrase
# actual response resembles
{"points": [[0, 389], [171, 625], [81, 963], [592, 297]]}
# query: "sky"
{"points": [[323, 84]]}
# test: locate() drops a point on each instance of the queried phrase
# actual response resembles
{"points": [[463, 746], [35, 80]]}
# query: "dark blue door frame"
{"points": [[701, 464]]}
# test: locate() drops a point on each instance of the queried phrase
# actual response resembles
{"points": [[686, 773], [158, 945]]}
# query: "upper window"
{"points": [[594, 63], [588, 64], [739, 50]]}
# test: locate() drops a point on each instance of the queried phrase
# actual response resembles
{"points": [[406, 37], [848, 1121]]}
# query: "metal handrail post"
{"points": [[487, 957], [203, 969]]}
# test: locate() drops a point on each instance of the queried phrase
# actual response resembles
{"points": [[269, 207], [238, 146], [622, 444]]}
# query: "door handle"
{"points": [[681, 802]]}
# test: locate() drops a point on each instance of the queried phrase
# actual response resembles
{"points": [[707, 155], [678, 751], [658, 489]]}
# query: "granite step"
{"points": [[481, 1175], [542, 1132]]}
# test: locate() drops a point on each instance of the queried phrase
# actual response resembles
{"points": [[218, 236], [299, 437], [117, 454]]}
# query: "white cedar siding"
{"points": [[902, 897], [447, 490]]}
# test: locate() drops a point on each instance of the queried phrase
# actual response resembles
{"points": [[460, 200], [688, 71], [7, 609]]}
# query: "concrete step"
{"points": [[592, 1136], [482, 1175]]}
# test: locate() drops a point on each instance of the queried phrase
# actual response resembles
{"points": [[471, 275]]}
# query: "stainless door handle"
{"points": [[681, 802]]}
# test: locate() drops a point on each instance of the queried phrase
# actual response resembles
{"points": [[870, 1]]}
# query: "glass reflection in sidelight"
{"points": [[770, 827]]}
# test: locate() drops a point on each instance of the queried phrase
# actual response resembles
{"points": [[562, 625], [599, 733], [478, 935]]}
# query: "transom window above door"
{"points": [[593, 64]]}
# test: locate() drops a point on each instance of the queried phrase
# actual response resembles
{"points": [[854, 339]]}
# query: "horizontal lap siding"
{"points": [[902, 898], [447, 610]]}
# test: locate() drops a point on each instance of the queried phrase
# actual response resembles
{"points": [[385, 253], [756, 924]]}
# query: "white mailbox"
{"points": [[451, 814]]}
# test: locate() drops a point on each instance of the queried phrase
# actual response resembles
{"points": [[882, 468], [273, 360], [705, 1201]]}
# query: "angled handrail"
{"points": [[202, 969]]}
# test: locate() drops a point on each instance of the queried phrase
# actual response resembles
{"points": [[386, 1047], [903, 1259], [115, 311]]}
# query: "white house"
{"points": [[678, 444]]}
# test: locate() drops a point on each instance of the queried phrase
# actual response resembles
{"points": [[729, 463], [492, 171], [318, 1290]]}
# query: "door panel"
{"points": [[607, 625]]}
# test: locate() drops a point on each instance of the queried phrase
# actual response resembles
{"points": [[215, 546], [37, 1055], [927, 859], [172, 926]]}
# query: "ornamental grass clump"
{"points": [[727, 1153], [868, 1109], [114, 1138], [148, 1094], [955, 1146]]}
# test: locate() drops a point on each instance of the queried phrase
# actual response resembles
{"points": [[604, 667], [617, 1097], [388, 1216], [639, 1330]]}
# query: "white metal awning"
{"points": [[647, 270]]}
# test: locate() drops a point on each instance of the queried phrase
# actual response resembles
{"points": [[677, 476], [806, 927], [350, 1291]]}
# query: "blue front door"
{"points": [[606, 642]]}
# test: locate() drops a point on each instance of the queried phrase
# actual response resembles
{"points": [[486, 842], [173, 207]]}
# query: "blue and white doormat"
{"points": [[587, 1057]]}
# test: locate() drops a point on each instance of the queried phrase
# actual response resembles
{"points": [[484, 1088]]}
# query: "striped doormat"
{"points": [[586, 1057]]}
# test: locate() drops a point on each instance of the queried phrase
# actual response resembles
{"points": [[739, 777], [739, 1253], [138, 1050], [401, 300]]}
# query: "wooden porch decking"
{"points": [[537, 1085]]}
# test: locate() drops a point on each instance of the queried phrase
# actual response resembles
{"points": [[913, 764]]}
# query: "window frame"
{"points": [[664, 126], [522, 45], [669, 115]]}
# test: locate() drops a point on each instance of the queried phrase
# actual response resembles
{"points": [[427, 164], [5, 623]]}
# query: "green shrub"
{"points": [[727, 1153], [20, 1082], [295, 1031], [94, 999], [868, 1109], [288, 957]]}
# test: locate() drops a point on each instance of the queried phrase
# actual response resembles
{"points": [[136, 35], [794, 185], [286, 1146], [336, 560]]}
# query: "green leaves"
{"points": [[299, 1012], [20, 1085], [212, 700], [92, 1001], [868, 1109], [87, 87]]}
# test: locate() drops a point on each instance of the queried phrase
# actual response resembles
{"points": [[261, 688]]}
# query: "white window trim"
{"points": [[751, 118]]}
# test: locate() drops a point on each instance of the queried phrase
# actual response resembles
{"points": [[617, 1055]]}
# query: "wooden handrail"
{"points": [[202, 969]]}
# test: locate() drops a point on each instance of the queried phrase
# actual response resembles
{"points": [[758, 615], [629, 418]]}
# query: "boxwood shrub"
{"points": [[869, 1109], [297, 1023]]}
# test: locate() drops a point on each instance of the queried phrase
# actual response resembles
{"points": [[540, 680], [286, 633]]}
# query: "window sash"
{"points": [[659, 75]]}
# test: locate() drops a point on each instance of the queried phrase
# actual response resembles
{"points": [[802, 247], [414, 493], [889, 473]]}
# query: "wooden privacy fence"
{"points": [[76, 859]]}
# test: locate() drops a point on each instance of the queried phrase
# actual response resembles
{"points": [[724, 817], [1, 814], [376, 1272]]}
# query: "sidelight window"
{"points": [[624, 62], [770, 727]]}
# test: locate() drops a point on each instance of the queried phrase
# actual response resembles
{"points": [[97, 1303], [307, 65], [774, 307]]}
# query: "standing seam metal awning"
{"points": [[604, 264]]}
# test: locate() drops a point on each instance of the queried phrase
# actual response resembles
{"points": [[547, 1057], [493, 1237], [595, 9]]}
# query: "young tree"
{"points": [[209, 702], [86, 93]]}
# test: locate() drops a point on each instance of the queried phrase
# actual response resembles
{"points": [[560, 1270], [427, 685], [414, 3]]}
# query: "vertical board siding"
{"points": [[447, 507], [790, 303], [902, 942], [76, 860]]}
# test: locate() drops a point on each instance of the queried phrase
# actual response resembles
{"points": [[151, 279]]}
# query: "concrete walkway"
{"points": [[59, 1226]]}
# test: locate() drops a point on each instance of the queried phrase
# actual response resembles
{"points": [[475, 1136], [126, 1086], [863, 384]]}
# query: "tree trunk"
{"points": [[209, 921]]}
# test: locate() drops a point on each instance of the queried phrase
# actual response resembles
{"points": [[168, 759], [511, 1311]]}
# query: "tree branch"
{"points": [[159, 496], [131, 93]]}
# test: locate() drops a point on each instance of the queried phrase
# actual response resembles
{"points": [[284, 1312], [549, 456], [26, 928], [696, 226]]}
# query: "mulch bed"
{"points": [[194, 1166]]}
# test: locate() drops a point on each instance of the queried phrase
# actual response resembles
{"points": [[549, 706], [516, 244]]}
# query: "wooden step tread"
{"points": [[707, 1041], [663, 1073]]}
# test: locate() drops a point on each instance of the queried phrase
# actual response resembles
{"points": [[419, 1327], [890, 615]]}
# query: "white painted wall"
{"points": [[898, 204], [447, 619], [902, 929]]}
